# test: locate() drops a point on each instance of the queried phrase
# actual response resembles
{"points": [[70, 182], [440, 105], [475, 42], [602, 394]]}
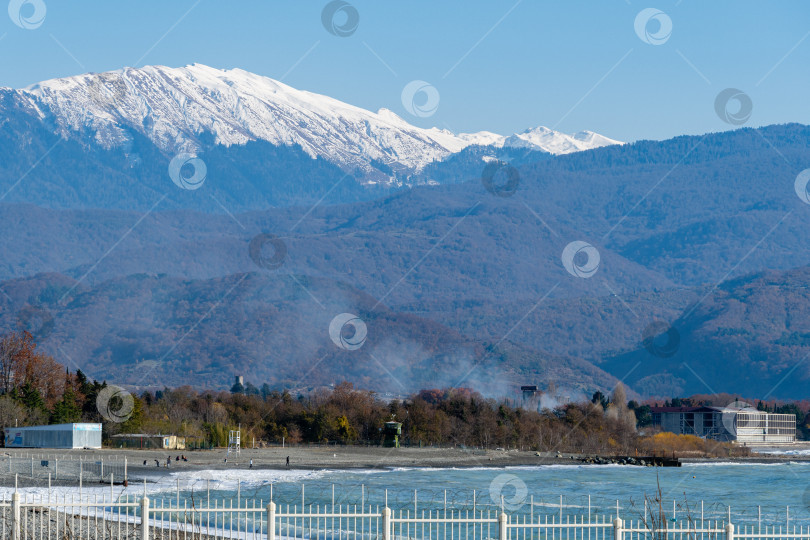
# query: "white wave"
{"points": [[221, 480], [742, 464], [507, 467], [230, 479], [784, 452]]}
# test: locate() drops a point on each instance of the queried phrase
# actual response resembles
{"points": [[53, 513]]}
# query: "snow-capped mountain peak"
{"points": [[555, 142], [173, 106]]}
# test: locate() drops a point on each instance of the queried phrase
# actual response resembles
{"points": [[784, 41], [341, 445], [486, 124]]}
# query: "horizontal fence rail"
{"points": [[138, 517]]}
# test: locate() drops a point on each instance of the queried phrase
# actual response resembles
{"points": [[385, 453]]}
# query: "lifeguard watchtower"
{"points": [[234, 442], [391, 434]]}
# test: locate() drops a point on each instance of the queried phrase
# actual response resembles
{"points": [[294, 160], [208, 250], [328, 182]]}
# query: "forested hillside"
{"points": [[450, 269]]}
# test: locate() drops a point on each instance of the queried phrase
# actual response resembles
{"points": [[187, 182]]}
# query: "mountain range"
{"points": [[172, 107], [451, 253]]}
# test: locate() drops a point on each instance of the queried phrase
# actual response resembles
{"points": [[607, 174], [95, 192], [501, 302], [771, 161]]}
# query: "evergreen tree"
{"points": [[134, 423], [643, 415], [600, 398], [29, 396], [265, 391], [66, 410]]}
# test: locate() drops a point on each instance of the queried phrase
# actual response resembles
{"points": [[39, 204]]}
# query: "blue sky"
{"points": [[498, 66]]}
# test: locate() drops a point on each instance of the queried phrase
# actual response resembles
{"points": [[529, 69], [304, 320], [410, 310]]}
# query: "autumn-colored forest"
{"points": [[35, 389]]}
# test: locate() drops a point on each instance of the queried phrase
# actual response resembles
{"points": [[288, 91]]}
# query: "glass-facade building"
{"points": [[745, 426]]}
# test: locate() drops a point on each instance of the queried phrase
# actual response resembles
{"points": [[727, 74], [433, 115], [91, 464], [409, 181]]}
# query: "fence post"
{"points": [[503, 519], [16, 523], [730, 532], [617, 529], [271, 520], [145, 518], [386, 523]]}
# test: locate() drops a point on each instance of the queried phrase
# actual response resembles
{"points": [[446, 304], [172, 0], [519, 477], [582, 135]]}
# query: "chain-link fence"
{"points": [[78, 469]]}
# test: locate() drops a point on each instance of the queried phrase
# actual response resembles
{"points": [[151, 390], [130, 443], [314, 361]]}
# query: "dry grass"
{"points": [[670, 444]]}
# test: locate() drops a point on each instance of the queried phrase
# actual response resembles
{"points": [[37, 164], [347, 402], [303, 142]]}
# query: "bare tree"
{"points": [[11, 346], [10, 412]]}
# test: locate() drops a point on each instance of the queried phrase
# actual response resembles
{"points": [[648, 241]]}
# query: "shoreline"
{"points": [[311, 459]]}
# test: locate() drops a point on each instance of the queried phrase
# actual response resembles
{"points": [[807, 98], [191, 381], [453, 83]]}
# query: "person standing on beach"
{"points": [[288, 461], [251, 464]]}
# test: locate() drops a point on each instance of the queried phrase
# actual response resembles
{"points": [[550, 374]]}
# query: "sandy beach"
{"points": [[332, 457]]}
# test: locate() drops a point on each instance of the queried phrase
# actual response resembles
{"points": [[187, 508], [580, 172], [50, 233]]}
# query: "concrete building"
{"points": [[529, 391], [746, 426], [55, 436], [143, 440]]}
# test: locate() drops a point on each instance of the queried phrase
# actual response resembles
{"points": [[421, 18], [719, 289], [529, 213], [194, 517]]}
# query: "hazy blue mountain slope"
{"points": [[751, 335], [270, 327]]}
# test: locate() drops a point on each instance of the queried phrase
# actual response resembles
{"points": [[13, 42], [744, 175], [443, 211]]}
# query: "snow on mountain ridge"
{"points": [[172, 106], [556, 142]]}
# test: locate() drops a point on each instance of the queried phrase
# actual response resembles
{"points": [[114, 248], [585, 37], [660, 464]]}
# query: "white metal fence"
{"points": [[133, 517]]}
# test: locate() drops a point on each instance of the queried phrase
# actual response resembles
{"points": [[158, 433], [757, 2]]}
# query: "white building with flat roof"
{"points": [[747, 426], [54, 436]]}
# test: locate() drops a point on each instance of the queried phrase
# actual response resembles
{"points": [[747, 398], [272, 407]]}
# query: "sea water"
{"points": [[774, 493]]}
